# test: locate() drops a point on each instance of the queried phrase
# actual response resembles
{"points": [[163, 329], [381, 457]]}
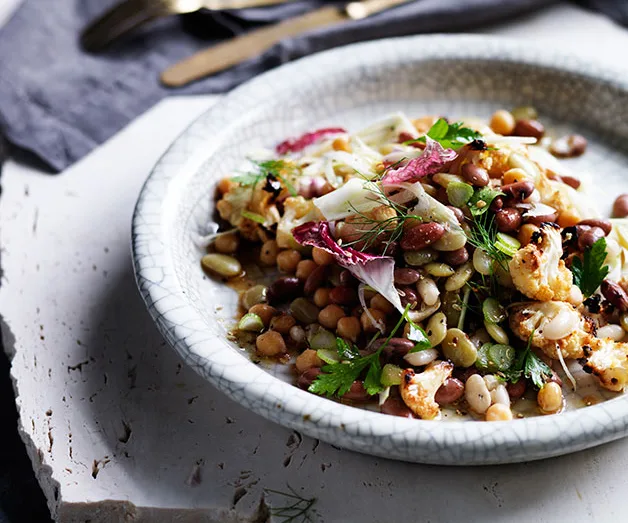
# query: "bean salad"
{"points": [[429, 268]]}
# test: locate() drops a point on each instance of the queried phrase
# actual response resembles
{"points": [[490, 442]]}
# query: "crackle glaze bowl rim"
{"points": [[452, 442]]}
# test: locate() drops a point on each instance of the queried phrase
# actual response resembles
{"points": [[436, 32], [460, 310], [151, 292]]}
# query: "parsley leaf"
{"points": [[588, 275], [346, 351], [529, 365], [481, 200], [450, 136], [336, 379], [536, 369]]}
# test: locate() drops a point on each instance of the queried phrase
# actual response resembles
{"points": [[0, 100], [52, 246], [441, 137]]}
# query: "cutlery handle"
{"points": [[221, 5], [254, 43], [364, 8]]}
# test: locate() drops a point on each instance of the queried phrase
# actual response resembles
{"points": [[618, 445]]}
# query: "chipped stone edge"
{"points": [[43, 470]]}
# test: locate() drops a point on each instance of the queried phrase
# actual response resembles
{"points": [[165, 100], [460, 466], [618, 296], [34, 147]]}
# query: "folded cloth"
{"points": [[59, 102]]}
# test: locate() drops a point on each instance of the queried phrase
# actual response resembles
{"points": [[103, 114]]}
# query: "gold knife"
{"points": [[253, 43]]}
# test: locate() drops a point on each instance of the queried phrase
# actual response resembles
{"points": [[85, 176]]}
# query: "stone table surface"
{"points": [[118, 429]]}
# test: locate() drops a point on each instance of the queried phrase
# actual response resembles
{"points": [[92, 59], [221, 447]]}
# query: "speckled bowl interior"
{"points": [[352, 86]]}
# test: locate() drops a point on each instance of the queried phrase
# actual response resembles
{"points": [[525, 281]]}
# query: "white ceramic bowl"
{"points": [[350, 86]]}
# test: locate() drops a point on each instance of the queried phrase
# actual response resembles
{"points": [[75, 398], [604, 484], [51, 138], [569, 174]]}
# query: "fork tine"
{"points": [[121, 19]]}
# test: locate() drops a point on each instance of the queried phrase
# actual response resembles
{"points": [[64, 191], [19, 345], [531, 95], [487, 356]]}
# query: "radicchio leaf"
{"points": [[432, 161], [293, 145], [375, 271]]}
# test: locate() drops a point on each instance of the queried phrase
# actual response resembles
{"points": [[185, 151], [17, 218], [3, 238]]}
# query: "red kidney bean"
{"points": [[395, 349], [518, 190], [357, 392], [422, 235], [569, 146], [284, 289], [620, 207], [406, 276], [396, 407], [532, 128], [308, 377], [441, 195], [588, 238], [315, 280], [571, 181], [508, 220], [517, 389], [409, 297], [556, 378], [343, 295], [615, 294], [458, 213], [538, 220], [451, 390], [475, 175], [347, 279], [455, 258], [463, 374], [497, 204], [605, 225]]}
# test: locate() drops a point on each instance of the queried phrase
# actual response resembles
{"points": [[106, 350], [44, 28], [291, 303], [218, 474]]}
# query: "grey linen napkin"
{"points": [[59, 102]]}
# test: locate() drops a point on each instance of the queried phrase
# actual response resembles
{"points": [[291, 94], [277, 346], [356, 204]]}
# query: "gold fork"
{"points": [[131, 14]]}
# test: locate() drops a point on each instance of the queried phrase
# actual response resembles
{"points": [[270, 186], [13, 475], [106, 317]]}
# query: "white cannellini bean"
{"points": [[491, 381], [561, 325], [575, 296], [612, 331], [500, 395], [482, 262], [422, 357], [427, 289], [477, 394]]}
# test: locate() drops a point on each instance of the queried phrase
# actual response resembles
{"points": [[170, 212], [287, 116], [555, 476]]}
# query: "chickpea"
{"points": [[282, 323], [349, 328], [568, 219], [620, 207], [225, 185], [321, 297], [382, 304], [340, 144], [525, 233], [227, 243], [268, 254], [265, 312], [305, 268], [550, 398], [367, 325], [322, 257], [515, 175], [502, 122], [498, 412], [288, 260], [307, 359], [270, 343], [330, 315]]}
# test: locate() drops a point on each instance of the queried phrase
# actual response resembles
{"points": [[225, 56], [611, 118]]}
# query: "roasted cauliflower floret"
{"points": [[556, 325], [418, 390], [297, 211], [608, 360], [537, 270]]}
